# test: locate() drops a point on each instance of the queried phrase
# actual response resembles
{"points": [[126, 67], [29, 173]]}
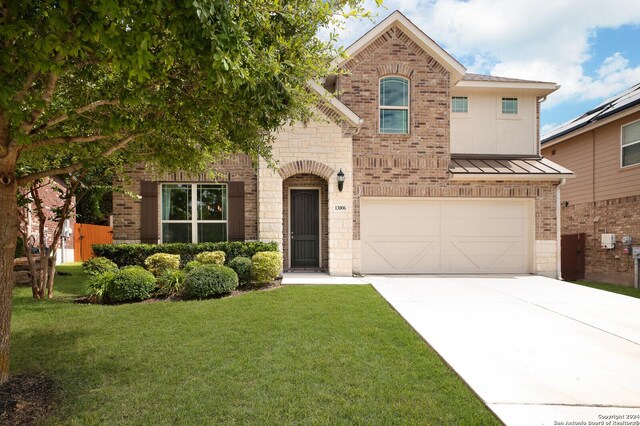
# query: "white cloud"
{"points": [[549, 41]]}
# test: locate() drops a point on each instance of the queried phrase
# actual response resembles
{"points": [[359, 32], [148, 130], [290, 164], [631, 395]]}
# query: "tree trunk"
{"points": [[8, 236], [52, 272]]}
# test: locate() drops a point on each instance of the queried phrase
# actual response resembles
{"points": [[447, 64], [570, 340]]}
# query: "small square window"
{"points": [[459, 104], [509, 105]]}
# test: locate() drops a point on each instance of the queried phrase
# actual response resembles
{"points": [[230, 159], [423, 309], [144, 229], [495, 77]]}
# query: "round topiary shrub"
{"points": [[160, 263], [209, 280], [210, 257], [99, 265], [266, 266], [130, 284], [242, 266]]}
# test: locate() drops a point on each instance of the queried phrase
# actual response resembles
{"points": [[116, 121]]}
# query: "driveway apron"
{"points": [[537, 351]]}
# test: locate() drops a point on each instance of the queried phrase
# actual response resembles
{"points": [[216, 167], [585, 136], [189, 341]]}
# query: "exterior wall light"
{"points": [[340, 180]]}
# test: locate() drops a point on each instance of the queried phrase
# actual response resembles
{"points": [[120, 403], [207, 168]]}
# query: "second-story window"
{"points": [[459, 104], [394, 105], [509, 105], [631, 144]]}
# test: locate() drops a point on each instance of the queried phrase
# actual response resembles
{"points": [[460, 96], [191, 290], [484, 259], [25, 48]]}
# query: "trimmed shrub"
{"points": [[99, 265], [98, 285], [135, 254], [210, 258], [191, 266], [160, 263], [170, 283], [131, 284], [209, 280], [242, 266], [266, 266]]}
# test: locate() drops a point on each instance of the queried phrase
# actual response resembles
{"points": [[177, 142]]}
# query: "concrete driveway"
{"points": [[536, 350]]}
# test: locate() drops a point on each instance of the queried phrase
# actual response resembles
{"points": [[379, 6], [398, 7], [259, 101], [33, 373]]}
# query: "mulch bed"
{"points": [[26, 399]]}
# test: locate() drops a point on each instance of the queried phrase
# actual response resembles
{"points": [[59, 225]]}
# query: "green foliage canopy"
{"points": [[173, 83]]}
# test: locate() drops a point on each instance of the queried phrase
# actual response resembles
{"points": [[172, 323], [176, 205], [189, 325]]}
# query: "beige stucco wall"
{"points": [[318, 147], [485, 130]]}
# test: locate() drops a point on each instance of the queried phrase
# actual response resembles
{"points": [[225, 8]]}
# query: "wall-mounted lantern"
{"points": [[340, 180]]}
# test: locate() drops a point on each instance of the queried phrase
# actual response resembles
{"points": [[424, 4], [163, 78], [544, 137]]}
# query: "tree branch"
{"points": [[25, 180], [47, 94], [26, 86], [63, 117], [60, 140]]}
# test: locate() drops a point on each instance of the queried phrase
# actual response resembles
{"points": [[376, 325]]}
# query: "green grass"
{"points": [[294, 355], [627, 291]]}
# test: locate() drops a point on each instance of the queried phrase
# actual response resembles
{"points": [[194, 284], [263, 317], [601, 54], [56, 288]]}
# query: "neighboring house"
{"points": [[602, 147], [442, 174], [50, 200]]}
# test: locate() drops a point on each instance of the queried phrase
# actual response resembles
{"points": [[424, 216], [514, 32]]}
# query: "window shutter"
{"points": [[149, 212], [236, 211]]}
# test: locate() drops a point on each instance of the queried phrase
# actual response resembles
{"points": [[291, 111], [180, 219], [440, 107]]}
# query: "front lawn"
{"points": [[293, 355], [627, 291]]}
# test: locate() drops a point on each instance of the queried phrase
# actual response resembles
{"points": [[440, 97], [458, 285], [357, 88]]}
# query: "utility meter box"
{"points": [[626, 240], [608, 241], [636, 252]]}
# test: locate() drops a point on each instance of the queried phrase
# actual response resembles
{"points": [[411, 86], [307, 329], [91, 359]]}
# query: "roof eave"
{"points": [[539, 88], [338, 106]]}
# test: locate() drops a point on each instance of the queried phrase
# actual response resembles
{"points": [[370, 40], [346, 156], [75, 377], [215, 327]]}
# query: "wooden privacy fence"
{"points": [[85, 235]]}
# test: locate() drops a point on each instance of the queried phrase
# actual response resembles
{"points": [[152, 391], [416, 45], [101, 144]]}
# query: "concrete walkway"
{"points": [[537, 351]]}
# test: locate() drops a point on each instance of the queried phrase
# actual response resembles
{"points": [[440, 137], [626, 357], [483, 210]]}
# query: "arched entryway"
{"points": [[305, 222]]}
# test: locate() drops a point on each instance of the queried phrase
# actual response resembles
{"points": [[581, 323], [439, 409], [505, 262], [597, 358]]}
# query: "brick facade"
{"points": [[126, 209], [620, 216]]}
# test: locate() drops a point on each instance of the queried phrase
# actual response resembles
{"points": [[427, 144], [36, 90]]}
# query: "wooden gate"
{"points": [[85, 235], [572, 251]]}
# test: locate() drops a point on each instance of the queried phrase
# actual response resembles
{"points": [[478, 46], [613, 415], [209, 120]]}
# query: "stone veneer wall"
{"points": [[318, 148], [620, 216], [126, 210], [306, 181]]}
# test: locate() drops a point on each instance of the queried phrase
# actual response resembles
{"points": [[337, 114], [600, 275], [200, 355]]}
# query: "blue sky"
{"points": [[590, 47]]}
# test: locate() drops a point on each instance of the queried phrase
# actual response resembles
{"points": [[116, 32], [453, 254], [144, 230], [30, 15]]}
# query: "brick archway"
{"points": [[306, 167]]}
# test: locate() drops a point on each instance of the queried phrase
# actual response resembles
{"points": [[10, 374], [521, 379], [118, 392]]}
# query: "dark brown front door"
{"points": [[305, 228], [572, 251]]}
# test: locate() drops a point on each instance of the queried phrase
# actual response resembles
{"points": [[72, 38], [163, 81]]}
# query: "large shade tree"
{"points": [[174, 83]]}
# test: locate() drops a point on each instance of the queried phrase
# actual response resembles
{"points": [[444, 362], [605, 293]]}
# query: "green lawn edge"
{"points": [[613, 288], [334, 354]]}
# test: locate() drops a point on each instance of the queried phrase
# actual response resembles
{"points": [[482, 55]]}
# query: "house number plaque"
{"points": [[340, 207]]}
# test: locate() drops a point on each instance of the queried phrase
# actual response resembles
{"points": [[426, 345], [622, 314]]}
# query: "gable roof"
{"points": [[614, 106], [455, 68]]}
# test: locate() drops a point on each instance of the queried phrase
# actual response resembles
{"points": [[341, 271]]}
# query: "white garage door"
{"points": [[431, 235]]}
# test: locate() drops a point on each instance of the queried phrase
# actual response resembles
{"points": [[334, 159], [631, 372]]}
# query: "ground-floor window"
{"points": [[194, 212]]}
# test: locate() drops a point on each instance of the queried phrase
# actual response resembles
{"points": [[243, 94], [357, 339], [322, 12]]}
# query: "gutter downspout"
{"points": [[559, 229]]}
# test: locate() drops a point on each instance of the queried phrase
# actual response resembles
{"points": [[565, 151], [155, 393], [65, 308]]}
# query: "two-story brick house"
{"points": [[441, 168]]}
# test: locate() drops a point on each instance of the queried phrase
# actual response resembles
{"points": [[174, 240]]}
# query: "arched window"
{"points": [[394, 105]]}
